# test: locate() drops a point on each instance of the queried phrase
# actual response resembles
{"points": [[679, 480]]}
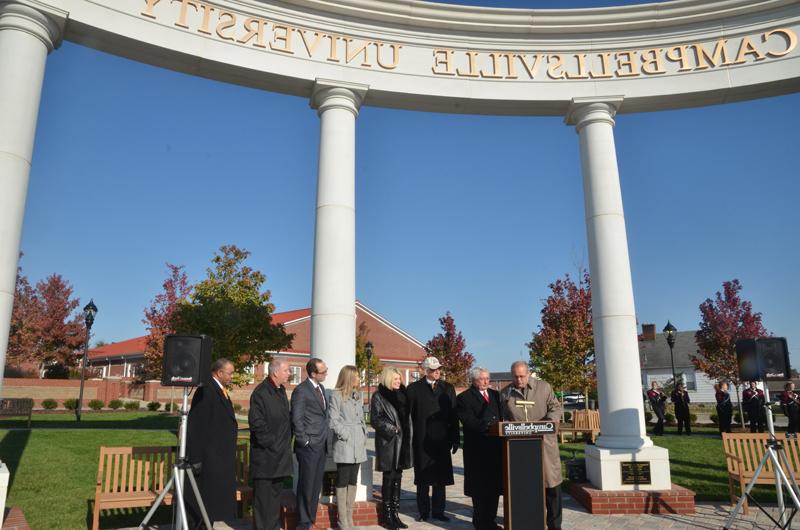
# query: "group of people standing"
{"points": [[418, 427], [680, 400], [753, 403], [415, 427]]}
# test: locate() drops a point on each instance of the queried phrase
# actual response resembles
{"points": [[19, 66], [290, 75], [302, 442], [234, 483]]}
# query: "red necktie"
{"points": [[486, 396]]}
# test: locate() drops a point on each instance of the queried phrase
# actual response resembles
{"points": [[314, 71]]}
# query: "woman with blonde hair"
{"points": [[389, 416], [349, 440]]}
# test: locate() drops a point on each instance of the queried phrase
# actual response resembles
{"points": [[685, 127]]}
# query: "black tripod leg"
{"points": [[158, 501], [199, 498]]}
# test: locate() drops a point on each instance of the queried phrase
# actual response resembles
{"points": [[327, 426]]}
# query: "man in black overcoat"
{"points": [[478, 408], [270, 445], [432, 404], [310, 423], [211, 448]]}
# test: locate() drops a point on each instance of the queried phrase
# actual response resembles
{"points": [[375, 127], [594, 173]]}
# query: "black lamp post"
{"points": [[669, 333], [88, 315], [368, 350]]}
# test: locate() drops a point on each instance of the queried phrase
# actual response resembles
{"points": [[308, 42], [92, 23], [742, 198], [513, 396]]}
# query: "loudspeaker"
{"points": [[187, 360], [761, 359]]}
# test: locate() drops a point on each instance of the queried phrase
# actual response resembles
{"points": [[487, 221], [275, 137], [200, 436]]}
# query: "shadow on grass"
{"points": [[11, 448], [155, 422], [127, 517]]}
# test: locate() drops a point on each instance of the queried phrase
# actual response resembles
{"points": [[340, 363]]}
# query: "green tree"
{"points": [[362, 337], [562, 351], [231, 308]]}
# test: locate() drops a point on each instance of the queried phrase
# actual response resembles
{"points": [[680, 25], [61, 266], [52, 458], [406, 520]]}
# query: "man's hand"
{"points": [[455, 447]]}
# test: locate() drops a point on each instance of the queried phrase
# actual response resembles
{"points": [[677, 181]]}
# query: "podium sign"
{"points": [[523, 472]]}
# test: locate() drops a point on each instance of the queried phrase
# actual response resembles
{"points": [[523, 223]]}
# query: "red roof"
{"points": [[288, 316], [125, 347]]}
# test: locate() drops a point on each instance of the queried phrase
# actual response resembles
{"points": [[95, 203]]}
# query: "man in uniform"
{"points": [[753, 401], [545, 408], [432, 404]]}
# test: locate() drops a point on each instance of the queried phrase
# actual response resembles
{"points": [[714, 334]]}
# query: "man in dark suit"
{"points": [[270, 445], [478, 408], [211, 448], [311, 431], [432, 404]]}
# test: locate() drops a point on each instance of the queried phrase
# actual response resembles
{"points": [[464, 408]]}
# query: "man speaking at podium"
{"points": [[544, 407]]}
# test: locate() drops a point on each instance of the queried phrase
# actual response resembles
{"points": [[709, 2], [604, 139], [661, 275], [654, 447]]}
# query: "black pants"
{"points": [[793, 413], [724, 416], [758, 421], [346, 475], [267, 503], [658, 430], [484, 510], [311, 464], [552, 500], [684, 423], [424, 501]]}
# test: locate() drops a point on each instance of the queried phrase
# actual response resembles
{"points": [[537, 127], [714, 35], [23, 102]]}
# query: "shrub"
{"points": [[49, 404], [669, 418], [237, 408], [168, 407], [97, 404], [715, 419], [567, 416], [115, 404], [70, 404], [648, 416], [131, 405], [153, 406], [692, 419]]}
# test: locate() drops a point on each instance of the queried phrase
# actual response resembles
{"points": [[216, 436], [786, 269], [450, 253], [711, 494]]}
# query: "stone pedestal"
{"points": [[603, 467]]}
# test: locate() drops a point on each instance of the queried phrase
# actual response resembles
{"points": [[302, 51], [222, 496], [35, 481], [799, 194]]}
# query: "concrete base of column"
{"points": [[4, 476], [604, 471]]}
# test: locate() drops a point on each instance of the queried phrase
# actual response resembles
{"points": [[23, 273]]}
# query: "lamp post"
{"points": [[669, 333], [368, 350], [89, 311]]}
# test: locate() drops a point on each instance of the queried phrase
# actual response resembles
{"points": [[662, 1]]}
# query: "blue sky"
{"points": [[135, 166]]}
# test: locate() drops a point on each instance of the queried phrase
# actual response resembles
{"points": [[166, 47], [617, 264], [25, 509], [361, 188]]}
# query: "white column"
{"points": [[26, 37], [623, 436], [333, 303]]}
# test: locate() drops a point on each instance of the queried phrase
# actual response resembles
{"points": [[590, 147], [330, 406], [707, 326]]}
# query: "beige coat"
{"points": [[547, 408]]}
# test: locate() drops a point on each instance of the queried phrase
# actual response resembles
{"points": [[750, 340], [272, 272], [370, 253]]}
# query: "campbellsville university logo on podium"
{"points": [[526, 428]]}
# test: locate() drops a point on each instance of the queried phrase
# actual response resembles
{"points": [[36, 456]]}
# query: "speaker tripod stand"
{"points": [[777, 456], [181, 467]]}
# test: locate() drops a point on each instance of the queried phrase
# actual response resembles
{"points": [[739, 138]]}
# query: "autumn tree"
{"points": [[724, 320], [159, 318], [449, 348], [60, 329], [25, 313], [362, 337], [231, 308], [562, 351]]}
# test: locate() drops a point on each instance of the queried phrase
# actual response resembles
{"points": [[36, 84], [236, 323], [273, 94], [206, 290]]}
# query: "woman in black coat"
{"points": [[388, 414]]}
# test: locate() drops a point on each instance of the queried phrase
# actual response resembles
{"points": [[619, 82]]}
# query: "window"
{"points": [[250, 370], [294, 379]]}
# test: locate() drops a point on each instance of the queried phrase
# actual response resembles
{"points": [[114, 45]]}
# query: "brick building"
{"points": [[393, 346]]}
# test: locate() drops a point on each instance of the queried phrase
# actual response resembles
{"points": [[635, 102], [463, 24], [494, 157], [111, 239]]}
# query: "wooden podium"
{"points": [[523, 472]]}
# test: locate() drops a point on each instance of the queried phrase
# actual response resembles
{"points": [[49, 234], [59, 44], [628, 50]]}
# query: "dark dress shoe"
{"points": [[441, 517], [422, 517]]}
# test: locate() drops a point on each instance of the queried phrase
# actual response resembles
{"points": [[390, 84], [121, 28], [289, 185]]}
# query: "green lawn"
{"points": [[53, 472], [696, 462], [95, 420]]}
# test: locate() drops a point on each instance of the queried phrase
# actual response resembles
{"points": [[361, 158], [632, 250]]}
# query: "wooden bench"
{"points": [[586, 422], [743, 453], [133, 477], [17, 407]]}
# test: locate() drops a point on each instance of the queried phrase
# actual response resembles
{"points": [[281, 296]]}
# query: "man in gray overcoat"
{"points": [[546, 408]]}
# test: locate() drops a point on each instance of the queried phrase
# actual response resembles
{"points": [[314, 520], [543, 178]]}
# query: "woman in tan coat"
{"points": [[546, 408]]}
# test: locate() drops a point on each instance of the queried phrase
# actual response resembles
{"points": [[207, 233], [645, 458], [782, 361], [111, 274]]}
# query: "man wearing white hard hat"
{"points": [[432, 403]]}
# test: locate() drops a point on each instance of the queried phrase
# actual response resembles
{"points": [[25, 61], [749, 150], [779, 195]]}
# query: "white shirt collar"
{"points": [[217, 381]]}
